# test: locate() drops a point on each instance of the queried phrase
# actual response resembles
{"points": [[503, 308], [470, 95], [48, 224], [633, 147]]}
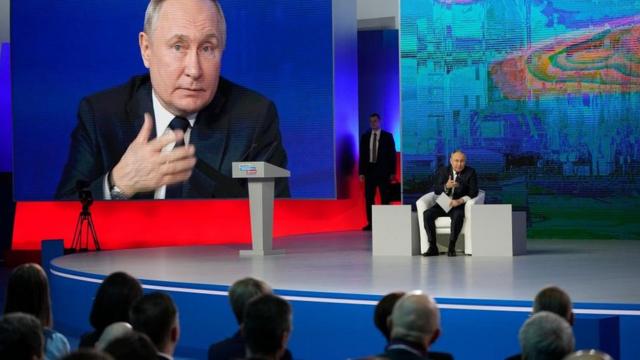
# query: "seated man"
{"points": [[240, 293], [266, 327], [460, 183], [382, 312], [21, 337], [156, 316], [546, 335], [555, 300], [415, 325]]}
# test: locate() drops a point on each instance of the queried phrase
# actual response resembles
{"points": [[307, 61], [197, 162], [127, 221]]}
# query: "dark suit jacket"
{"points": [[401, 354], [238, 125], [234, 348], [386, 160], [467, 182]]}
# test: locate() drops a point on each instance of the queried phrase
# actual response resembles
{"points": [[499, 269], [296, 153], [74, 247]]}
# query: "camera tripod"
{"points": [[84, 231]]}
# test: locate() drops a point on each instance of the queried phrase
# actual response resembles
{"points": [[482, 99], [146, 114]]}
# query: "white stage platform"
{"points": [[591, 271]]}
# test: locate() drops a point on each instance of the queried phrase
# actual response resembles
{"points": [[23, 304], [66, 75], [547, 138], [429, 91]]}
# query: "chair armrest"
{"points": [[425, 201], [476, 200]]}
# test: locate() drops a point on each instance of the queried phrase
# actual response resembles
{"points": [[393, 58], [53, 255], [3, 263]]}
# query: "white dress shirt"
{"points": [[377, 132], [162, 120]]}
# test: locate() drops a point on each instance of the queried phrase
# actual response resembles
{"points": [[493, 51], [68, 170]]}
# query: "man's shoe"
{"points": [[432, 251], [366, 227], [451, 253]]}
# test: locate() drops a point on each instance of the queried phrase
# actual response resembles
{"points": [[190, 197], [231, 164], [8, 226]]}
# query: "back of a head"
{"points": [[267, 320], [88, 354], [591, 354], [113, 332], [132, 346], [28, 292], [154, 315], [20, 337], [555, 300], [242, 291], [545, 336], [415, 318], [383, 311], [114, 299]]}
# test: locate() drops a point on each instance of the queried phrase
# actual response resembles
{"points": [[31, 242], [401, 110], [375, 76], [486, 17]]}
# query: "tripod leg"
{"points": [[77, 235], [92, 228]]}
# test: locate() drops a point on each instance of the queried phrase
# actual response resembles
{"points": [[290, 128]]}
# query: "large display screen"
{"points": [[64, 51], [544, 98]]}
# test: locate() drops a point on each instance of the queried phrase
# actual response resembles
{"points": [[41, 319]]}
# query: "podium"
{"points": [[261, 178]]}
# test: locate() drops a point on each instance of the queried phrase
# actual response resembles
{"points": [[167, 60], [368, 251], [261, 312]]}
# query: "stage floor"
{"points": [[593, 272]]}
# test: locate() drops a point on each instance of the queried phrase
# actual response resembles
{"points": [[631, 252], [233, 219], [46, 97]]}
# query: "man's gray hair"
{"points": [[153, 9], [546, 335], [243, 291], [415, 318]]}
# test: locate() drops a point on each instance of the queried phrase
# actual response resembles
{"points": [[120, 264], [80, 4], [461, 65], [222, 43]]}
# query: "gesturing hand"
{"points": [[144, 167], [451, 183]]}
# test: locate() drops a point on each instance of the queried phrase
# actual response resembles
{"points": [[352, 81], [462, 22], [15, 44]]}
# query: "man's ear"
{"points": [[145, 48], [435, 336], [572, 318], [175, 331]]}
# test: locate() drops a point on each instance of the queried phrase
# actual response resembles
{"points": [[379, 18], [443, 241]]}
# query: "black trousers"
{"points": [[371, 183], [457, 220]]}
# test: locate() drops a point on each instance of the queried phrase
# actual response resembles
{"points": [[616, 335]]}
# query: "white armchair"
{"points": [[443, 224]]}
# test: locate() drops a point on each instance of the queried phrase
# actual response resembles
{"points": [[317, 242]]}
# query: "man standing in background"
{"points": [[377, 164]]}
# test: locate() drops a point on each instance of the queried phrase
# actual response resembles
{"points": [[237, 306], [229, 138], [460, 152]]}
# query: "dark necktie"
{"points": [[374, 148], [178, 123]]}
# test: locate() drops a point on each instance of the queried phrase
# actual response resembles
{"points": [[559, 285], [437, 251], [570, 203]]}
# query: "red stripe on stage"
{"points": [[136, 224], [133, 224]]}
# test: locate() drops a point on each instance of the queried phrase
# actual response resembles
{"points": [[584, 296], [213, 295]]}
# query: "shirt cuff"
{"points": [[105, 187], [466, 198]]}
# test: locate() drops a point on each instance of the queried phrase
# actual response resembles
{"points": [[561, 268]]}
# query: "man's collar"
{"points": [[163, 117], [398, 344], [164, 356]]}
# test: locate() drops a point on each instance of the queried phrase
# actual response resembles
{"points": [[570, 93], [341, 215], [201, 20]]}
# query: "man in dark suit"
{"points": [[377, 164], [240, 293], [156, 316], [415, 325], [460, 183], [267, 327], [140, 140]]}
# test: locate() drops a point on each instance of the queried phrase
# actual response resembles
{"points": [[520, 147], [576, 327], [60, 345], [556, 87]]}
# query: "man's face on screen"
{"points": [[458, 161], [183, 52]]}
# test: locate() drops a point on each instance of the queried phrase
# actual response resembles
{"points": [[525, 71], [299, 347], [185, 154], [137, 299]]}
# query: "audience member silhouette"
{"points": [[88, 354], [240, 293], [266, 327], [28, 292], [415, 325], [21, 337], [112, 332], [132, 346], [555, 300], [545, 336], [383, 311], [112, 303], [156, 316]]}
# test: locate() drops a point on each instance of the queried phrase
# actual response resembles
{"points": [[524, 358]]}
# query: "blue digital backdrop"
{"points": [[379, 80], [65, 50], [543, 96], [5, 110]]}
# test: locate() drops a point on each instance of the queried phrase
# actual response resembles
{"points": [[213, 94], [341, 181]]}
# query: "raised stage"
{"points": [[333, 283]]}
